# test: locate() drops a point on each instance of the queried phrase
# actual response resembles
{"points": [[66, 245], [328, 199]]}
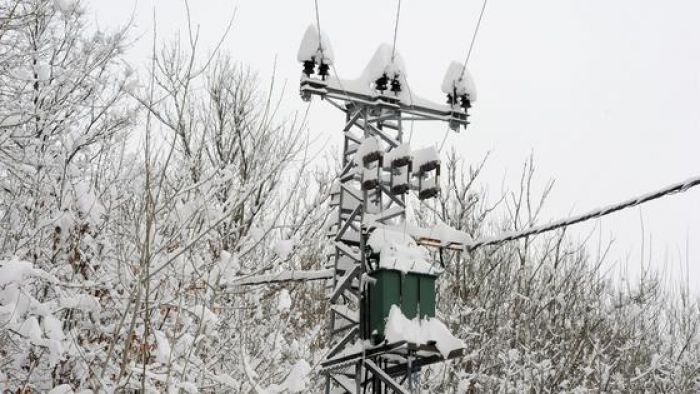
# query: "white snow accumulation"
{"points": [[228, 267], [298, 378], [401, 152], [369, 146], [15, 271], [424, 156], [283, 248], [83, 302], [53, 327], [62, 389], [370, 174], [296, 381], [208, 318], [163, 349], [420, 332], [30, 328], [21, 312], [43, 71], [440, 232], [399, 251], [385, 62], [87, 202], [461, 82], [312, 49], [284, 301], [64, 6], [449, 235]]}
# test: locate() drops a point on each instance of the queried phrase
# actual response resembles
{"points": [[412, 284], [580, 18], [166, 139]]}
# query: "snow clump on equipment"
{"points": [[313, 50], [420, 332], [458, 80]]}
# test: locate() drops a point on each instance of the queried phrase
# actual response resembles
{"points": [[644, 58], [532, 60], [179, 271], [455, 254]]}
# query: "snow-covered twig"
{"points": [[285, 276]]}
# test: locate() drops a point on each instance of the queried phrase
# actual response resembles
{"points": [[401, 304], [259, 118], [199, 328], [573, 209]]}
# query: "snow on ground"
{"points": [[420, 332]]}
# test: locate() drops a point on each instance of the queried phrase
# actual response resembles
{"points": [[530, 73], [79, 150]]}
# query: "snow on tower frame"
{"points": [[371, 193]]}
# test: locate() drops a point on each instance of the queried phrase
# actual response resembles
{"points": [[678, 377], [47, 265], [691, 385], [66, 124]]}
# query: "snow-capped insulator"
{"points": [[395, 85], [323, 70], [459, 86], [399, 156], [429, 187], [369, 150], [426, 194], [370, 176], [426, 166], [401, 179], [315, 49], [425, 160], [399, 159], [381, 83], [309, 66], [385, 66]]}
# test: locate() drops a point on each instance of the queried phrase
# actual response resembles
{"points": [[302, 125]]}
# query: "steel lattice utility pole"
{"points": [[370, 193]]}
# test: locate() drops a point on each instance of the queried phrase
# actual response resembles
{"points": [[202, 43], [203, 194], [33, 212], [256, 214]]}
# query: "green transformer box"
{"points": [[413, 292]]}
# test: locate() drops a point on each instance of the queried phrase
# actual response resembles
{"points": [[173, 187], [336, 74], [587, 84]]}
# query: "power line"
{"points": [[318, 24], [600, 212], [396, 28], [476, 31], [444, 139]]}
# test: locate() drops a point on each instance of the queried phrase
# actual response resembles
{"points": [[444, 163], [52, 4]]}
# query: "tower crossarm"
{"points": [[345, 91]]}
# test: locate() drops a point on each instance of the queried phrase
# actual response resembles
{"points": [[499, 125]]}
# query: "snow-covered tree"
{"points": [[222, 193], [62, 114], [540, 315]]}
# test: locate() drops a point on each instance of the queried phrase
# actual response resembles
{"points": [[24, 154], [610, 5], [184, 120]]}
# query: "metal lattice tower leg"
{"points": [[349, 263]]}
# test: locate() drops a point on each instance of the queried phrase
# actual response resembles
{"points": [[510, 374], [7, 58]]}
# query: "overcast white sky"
{"points": [[605, 93]]}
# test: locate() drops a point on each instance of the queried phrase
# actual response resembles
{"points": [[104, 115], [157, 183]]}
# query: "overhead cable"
{"points": [[476, 31], [679, 187]]}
